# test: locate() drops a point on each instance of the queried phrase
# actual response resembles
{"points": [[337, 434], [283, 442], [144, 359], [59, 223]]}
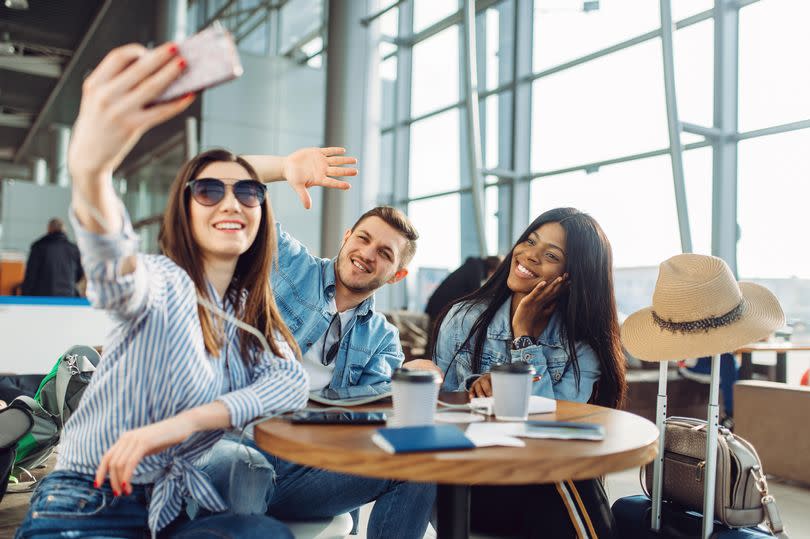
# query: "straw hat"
{"points": [[698, 310]]}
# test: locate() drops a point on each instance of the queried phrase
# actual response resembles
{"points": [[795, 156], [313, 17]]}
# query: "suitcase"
{"points": [[640, 516], [633, 515]]}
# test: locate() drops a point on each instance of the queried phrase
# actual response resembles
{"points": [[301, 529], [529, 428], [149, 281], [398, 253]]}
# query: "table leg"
{"points": [[746, 367], [781, 367], [453, 508]]}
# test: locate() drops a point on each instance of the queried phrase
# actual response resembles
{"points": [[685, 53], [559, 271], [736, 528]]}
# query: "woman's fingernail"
{"points": [[182, 63], [123, 488], [173, 49], [95, 483], [115, 492]]}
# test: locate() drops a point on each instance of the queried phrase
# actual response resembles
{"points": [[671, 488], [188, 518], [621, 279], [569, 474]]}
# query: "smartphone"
{"points": [[338, 418], [212, 59]]}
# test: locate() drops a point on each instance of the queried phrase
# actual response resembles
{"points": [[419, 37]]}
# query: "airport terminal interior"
{"points": [[680, 126]]}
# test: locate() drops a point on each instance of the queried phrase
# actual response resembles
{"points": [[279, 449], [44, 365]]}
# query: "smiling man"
{"points": [[348, 348]]}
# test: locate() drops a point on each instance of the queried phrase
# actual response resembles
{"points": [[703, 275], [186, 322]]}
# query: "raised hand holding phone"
{"points": [[212, 59], [113, 115]]}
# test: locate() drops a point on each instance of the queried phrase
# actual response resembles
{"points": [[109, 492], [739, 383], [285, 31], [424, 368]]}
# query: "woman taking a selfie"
{"points": [[174, 374], [551, 304]]}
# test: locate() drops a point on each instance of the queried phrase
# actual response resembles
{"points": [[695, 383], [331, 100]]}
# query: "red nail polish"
{"points": [[181, 63], [95, 483], [115, 492], [173, 49]]}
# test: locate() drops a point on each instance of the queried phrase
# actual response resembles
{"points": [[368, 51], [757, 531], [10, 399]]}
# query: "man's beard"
{"points": [[370, 286]]}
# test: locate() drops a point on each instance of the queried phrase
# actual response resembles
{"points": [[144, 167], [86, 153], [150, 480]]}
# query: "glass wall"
{"points": [[573, 112]]}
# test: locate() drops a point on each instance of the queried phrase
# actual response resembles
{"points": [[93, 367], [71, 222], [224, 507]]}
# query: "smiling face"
{"points": [[540, 258], [227, 229], [370, 255]]}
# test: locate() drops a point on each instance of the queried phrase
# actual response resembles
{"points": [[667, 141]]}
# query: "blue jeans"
{"points": [[66, 505], [295, 492]]}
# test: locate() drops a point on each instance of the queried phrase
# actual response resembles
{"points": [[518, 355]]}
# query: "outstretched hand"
{"points": [[314, 167]]}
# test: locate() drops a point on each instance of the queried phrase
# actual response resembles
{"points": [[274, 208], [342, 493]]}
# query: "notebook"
{"points": [[562, 430], [321, 397], [537, 405], [422, 438]]}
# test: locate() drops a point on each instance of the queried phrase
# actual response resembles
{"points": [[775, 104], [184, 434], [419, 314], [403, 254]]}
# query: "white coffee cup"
{"points": [[414, 394], [511, 389]]}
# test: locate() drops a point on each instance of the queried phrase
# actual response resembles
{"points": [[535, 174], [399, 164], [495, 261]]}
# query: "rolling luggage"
{"points": [[643, 517]]}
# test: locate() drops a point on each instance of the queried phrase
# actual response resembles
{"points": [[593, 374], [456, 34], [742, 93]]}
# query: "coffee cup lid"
{"points": [[518, 367], [414, 376]]}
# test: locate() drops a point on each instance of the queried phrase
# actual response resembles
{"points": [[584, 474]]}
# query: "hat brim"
{"points": [[645, 340]]}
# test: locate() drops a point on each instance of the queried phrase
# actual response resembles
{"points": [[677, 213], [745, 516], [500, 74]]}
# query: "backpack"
{"points": [[56, 399], [15, 422]]}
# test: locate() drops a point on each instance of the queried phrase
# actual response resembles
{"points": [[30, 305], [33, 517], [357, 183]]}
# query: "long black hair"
{"points": [[588, 306]]}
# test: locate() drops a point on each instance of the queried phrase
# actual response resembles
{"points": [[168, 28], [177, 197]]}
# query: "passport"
{"points": [[421, 438]]}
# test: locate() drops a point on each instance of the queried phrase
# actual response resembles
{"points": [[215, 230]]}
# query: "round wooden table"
{"points": [[630, 441]]}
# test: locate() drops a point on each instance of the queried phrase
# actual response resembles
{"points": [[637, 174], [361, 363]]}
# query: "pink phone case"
{"points": [[212, 59]]}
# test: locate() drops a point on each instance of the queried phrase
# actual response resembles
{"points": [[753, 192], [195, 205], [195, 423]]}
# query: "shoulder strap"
{"points": [[69, 366], [772, 517], [34, 406]]}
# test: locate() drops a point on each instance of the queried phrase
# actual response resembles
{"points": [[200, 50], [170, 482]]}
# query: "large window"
{"points": [[774, 75], [632, 201], [438, 221], [588, 113], [435, 72], [565, 30], [772, 204], [573, 112], [434, 154]]}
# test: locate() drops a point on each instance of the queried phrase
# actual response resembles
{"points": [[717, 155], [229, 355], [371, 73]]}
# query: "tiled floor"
{"points": [[793, 501]]}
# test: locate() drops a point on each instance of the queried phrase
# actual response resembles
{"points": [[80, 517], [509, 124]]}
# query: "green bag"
{"points": [[56, 399]]}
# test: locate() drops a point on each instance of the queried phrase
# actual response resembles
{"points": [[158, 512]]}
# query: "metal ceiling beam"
{"points": [[33, 65], [14, 120], [14, 170], [68, 71]]}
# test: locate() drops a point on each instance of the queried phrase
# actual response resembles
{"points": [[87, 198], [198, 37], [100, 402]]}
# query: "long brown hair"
{"points": [[251, 277]]}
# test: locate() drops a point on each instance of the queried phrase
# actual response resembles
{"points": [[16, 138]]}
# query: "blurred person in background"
{"points": [[53, 267]]}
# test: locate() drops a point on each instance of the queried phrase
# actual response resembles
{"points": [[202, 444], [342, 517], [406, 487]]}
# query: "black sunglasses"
{"points": [[211, 191]]}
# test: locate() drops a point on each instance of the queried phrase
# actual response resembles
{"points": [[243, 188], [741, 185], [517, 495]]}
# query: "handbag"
{"points": [[741, 491]]}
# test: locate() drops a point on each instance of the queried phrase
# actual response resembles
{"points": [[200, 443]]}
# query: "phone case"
{"points": [[212, 59], [339, 418]]}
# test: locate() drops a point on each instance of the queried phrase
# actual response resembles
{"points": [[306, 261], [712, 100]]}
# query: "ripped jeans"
{"points": [[265, 484]]}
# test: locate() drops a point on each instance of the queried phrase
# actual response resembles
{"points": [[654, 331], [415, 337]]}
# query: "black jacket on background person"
{"points": [[461, 282], [53, 267]]}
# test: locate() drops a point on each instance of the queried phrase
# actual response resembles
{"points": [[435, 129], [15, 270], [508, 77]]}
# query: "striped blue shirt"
{"points": [[155, 366]]}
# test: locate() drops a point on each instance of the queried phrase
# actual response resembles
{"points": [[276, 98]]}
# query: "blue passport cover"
{"points": [[423, 438]]}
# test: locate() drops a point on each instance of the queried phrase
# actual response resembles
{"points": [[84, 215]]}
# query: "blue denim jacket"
{"points": [[304, 286], [549, 357]]}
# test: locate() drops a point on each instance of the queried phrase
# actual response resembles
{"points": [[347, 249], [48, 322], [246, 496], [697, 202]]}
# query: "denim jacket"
{"points": [[303, 286], [549, 357]]}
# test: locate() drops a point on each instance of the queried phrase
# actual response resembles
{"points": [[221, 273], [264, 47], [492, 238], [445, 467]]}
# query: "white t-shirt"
{"points": [[320, 375]]}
